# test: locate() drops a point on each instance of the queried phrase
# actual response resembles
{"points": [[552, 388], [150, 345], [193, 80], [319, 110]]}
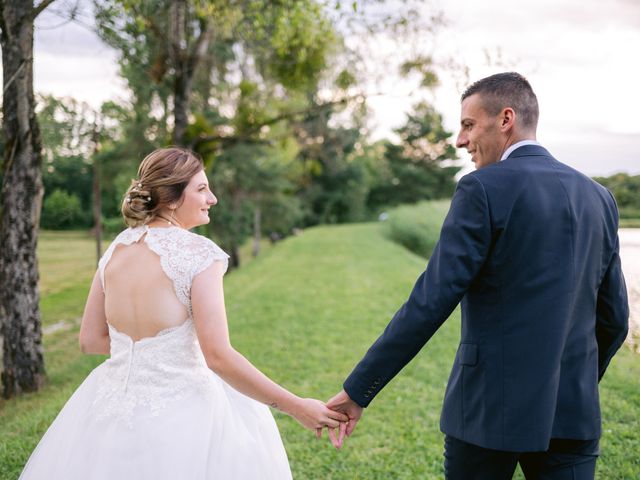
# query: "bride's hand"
{"points": [[336, 441], [314, 414]]}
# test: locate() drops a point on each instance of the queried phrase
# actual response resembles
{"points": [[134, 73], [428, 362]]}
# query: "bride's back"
{"points": [[140, 300]]}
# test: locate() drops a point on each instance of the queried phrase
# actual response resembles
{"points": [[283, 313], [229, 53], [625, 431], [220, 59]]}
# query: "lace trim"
{"points": [[161, 333]]}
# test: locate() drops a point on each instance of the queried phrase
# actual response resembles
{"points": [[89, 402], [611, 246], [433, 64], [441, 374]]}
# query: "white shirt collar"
{"points": [[519, 144]]}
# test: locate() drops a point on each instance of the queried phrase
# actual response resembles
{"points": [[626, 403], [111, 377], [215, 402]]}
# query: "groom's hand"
{"points": [[343, 403]]}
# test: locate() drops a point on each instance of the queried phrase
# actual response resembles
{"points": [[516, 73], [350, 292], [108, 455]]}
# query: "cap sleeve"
{"points": [[209, 252]]}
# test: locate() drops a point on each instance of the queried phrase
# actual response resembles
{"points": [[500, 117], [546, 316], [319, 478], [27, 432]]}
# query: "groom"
{"points": [[530, 249]]}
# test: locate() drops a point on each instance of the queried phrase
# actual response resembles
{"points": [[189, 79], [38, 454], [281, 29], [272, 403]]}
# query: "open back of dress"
{"points": [[146, 276], [140, 300]]}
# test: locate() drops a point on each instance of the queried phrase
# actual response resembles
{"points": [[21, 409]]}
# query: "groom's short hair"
{"points": [[509, 89]]}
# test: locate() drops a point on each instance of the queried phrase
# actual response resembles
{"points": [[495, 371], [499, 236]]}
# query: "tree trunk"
{"points": [[234, 256], [185, 56], [257, 216], [181, 92], [97, 195], [182, 82], [22, 192], [234, 247]]}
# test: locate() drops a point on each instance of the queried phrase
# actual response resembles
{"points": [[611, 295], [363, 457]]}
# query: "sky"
{"points": [[580, 56]]}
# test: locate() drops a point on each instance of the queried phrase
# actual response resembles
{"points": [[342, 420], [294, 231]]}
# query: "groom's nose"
{"points": [[462, 140]]}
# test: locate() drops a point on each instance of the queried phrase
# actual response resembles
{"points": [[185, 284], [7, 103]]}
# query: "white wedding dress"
{"points": [[154, 410]]}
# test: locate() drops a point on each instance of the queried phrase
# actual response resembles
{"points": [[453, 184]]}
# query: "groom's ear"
{"points": [[507, 118]]}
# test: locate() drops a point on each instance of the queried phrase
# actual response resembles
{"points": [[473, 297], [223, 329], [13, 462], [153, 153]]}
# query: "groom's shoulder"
{"points": [[483, 175], [579, 177]]}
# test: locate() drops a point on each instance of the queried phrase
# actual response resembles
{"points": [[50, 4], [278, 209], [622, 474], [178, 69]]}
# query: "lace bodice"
{"points": [[152, 371], [183, 255]]}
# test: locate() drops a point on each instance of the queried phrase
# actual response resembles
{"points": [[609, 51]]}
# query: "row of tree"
{"points": [[333, 177], [270, 97], [268, 92], [626, 190]]}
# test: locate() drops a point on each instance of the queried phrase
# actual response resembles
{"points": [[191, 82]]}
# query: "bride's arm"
{"points": [[94, 333], [210, 318]]}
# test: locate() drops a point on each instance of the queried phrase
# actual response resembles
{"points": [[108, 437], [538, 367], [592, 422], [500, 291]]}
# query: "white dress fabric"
{"points": [[154, 410]]}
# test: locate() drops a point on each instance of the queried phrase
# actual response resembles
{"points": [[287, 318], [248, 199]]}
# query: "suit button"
{"points": [[366, 395]]}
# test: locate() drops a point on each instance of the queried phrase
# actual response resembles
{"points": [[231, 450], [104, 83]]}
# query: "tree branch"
{"points": [[16, 73], [228, 141], [176, 30], [200, 46], [38, 9], [287, 115], [148, 22]]}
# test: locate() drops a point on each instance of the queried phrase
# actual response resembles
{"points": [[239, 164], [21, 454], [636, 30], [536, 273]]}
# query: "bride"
{"points": [[174, 400]]}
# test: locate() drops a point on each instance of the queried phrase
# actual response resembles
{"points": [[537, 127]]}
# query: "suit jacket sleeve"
{"points": [[457, 258], [612, 312]]}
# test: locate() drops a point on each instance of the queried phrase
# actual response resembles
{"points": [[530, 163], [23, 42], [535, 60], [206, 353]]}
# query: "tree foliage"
{"points": [[66, 134], [419, 167], [271, 95], [258, 63], [626, 190], [62, 210]]}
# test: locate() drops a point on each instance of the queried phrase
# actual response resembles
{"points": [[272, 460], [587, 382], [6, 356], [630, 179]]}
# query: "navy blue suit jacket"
{"points": [[530, 248]]}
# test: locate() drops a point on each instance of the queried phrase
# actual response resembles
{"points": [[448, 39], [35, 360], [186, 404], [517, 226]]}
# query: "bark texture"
{"points": [[185, 56], [22, 190]]}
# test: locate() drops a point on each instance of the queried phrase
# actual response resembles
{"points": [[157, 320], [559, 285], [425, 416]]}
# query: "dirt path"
{"points": [[630, 256]]}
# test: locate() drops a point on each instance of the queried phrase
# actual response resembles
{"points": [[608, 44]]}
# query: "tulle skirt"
{"points": [[220, 435]]}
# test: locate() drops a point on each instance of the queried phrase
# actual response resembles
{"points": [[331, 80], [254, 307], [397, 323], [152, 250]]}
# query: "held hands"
{"points": [[340, 413], [314, 414], [342, 403]]}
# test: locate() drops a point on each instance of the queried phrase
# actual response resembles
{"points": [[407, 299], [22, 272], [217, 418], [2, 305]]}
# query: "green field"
{"points": [[304, 312]]}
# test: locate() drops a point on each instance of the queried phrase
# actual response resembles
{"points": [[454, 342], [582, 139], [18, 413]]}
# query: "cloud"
{"points": [[580, 56], [599, 155], [57, 36], [89, 79]]}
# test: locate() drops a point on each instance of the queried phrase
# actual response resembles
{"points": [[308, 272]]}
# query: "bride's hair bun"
{"points": [[162, 178]]}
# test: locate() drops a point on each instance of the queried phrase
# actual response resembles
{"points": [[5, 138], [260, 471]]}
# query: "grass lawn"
{"points": [[67, 262], [304, 312]]}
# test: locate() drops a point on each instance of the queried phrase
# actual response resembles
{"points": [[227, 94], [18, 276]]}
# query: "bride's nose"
{"points": [[212, 200]]}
